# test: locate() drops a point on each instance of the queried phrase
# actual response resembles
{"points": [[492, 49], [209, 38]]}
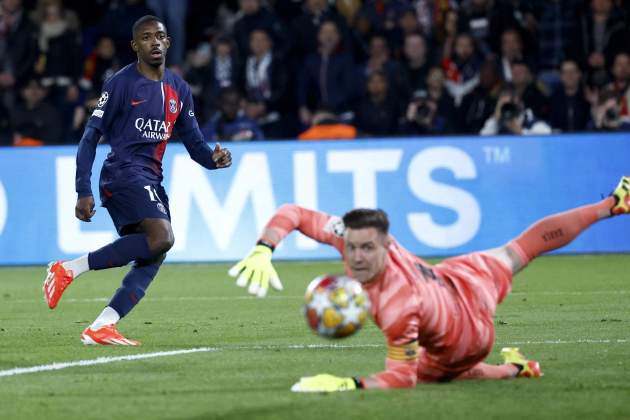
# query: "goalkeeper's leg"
{"points": [[514, 365], [560, 229], [486, 371]]}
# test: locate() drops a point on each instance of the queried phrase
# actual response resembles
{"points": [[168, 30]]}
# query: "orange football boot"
{"points": [[57, 279], [107, 335]]}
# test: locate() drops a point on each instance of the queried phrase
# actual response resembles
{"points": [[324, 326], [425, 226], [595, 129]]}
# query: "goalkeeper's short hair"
{"points": [[364, 218]]}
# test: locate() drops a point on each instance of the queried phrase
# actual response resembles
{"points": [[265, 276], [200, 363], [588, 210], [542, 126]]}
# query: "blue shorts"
{"points": [[130, 204]]}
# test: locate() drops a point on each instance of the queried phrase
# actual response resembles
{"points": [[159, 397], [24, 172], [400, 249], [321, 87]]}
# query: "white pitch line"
{"points": [[590, 292], [579, 341], [164, 299], [101, 361]]}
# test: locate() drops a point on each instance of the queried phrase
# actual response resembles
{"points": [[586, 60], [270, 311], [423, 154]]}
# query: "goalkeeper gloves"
{"points": [[257, 270], [325, 383]]}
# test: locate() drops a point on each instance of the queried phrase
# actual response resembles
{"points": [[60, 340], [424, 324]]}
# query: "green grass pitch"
{"points": [[572, 313]]}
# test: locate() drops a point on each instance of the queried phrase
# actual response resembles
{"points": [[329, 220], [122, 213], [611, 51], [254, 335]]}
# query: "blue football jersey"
{"points": [[137, 117]]}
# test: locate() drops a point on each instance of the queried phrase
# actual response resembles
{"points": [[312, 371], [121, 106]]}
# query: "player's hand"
{"points": [[84, 210], [257, 270], [222, 157], [324, 383]]}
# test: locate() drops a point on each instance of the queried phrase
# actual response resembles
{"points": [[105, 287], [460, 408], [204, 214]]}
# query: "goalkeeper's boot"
{"points": [[622, 197], [107, 335], [57, 279], [527, 368]]}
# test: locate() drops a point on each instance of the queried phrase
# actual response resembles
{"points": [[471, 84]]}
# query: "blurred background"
{"points": [[311, 69]]}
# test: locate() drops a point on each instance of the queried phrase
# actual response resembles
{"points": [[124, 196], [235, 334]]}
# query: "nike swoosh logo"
{"points": [[134, 103]]}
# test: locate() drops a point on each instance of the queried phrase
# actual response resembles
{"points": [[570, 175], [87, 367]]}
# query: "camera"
{"points": [[423, 111], [509, 111], [611, 114]]}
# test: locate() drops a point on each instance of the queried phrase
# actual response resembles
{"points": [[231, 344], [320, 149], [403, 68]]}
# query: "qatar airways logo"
{"points": [[153, 129]]}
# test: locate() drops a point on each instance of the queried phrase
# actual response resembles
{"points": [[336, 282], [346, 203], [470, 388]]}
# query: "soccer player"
{"points": [[438, 320], [137, 112]]}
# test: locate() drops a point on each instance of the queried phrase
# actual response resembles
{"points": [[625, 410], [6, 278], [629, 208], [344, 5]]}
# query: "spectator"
{"points": [[479, 104], [378, 112], [35, 121], [447, 31], [431, 111], [620, 74], [406, 24], [287, 10], [528, 91], [475, 20], [326, 126], [327, 78], [570, 111], [511, 51], [511, 117], [606, 113], [383, 14], [265, 85], [100, 65], [230, 123], [621, 84], [517, 15], [59, 64], [601, 34], [349, 9], [462, 68], [360, 35], [555, 23], [117, 24], [213, 70], [18, 49], [379, 59], [173, 13], [252, 15], [415, 64], [305, 29], [431, 14]]}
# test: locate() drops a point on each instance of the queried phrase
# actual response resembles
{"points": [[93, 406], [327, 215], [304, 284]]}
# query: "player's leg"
{"points": [[134, 285], [514, 365], [560, 229], [486, 371], [129, 207], [103, 330]]}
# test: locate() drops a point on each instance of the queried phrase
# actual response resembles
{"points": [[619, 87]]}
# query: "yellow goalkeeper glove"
{"points": [[325, 383], [257, 270]]}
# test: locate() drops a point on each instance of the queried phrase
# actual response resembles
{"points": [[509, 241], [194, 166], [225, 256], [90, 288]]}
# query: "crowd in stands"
{"points": [[286, 69]]}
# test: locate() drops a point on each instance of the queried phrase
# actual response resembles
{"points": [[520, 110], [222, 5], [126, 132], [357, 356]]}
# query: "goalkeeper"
{"points": [[438, 320]]}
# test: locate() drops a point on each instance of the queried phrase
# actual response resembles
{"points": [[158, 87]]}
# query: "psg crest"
{"points": [[172, 105]]}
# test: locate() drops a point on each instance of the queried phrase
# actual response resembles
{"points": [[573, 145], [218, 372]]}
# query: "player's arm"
{"points": [[192, 137], [201, 153], [84, 209], [256, 269], [401, 367], [107, 108]]}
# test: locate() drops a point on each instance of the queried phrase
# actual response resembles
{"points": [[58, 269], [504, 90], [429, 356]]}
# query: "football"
{"points": [[335, 306]]}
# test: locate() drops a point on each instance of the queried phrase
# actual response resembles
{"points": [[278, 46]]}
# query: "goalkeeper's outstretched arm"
{"points": [[256, 269]]}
